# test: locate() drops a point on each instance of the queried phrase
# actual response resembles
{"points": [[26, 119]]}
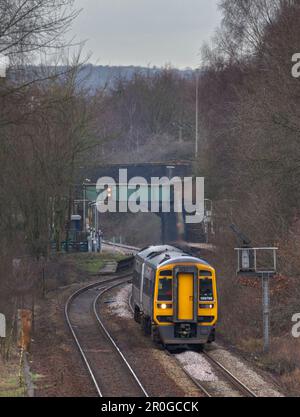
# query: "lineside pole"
{"points": [[266, 310], [84, 198], [197, 116]]}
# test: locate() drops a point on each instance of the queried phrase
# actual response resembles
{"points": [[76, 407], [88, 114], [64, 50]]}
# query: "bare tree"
{"points": [[250, 115], [28, 26]]}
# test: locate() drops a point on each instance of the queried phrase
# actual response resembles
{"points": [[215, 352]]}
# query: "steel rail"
{"points": [[129, 249], [238, 384], [229, 376], [71, 328], [110, 338], [194, 380]]}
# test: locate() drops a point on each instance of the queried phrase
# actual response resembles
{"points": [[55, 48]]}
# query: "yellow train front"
{"points": [[174, 296]]}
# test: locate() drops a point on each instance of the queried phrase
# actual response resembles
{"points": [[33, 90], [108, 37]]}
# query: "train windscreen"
{"points": [[165, 289], [206, 290]]}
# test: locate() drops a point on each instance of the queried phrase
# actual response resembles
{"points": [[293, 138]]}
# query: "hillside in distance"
{"points": [[91, 77], [95, 77]]}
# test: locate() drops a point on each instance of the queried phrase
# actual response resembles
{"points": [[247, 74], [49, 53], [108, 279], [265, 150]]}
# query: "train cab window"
{"points": [[166, 273], [165, 289], [206, 290], [203, 273]]}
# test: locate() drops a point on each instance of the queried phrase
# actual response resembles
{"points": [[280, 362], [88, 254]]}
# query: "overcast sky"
{"points": [[146, 32]]}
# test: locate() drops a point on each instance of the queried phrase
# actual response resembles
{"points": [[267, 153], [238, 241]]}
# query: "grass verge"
{"points": [[93, 262], [9, 378]]}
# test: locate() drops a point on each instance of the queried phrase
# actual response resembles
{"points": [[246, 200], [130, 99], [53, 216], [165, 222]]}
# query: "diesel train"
{"points": [[174, 296]]}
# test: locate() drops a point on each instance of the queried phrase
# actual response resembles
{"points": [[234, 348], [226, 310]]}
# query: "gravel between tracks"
{"points": [[256, 382], [193, 362], [197, 366], [159, 373], [59, 370]]}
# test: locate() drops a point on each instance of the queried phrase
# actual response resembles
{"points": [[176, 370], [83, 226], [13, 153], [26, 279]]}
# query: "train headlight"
{"points": [[164, 306], [206, 306]]}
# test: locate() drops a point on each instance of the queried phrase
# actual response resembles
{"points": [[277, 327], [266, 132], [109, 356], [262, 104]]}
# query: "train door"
{"points": [[185, 296]]}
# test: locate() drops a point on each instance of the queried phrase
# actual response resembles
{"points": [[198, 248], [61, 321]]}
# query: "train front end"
{"points": [[185, 302]]}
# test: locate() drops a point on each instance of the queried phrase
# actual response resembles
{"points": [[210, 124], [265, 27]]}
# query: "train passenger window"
{"points": [[137, 265], [147, 286], [152, 275], [206, 290], [165, 289], [136, 279]]}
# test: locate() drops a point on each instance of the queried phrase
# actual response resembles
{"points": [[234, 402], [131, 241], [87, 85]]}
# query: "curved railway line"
{"points": [[110, 372], [228, 376], [114, 344], [239, 385]]}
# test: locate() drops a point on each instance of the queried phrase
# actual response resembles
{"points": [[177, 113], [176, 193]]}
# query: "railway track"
{"points": [[229, 378], [234, 381], [114, 344], [194, 380], [110, 372], [124, 249], [238, 386]]}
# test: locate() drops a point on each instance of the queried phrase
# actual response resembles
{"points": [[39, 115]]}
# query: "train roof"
{"points": [[163, 255]]}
